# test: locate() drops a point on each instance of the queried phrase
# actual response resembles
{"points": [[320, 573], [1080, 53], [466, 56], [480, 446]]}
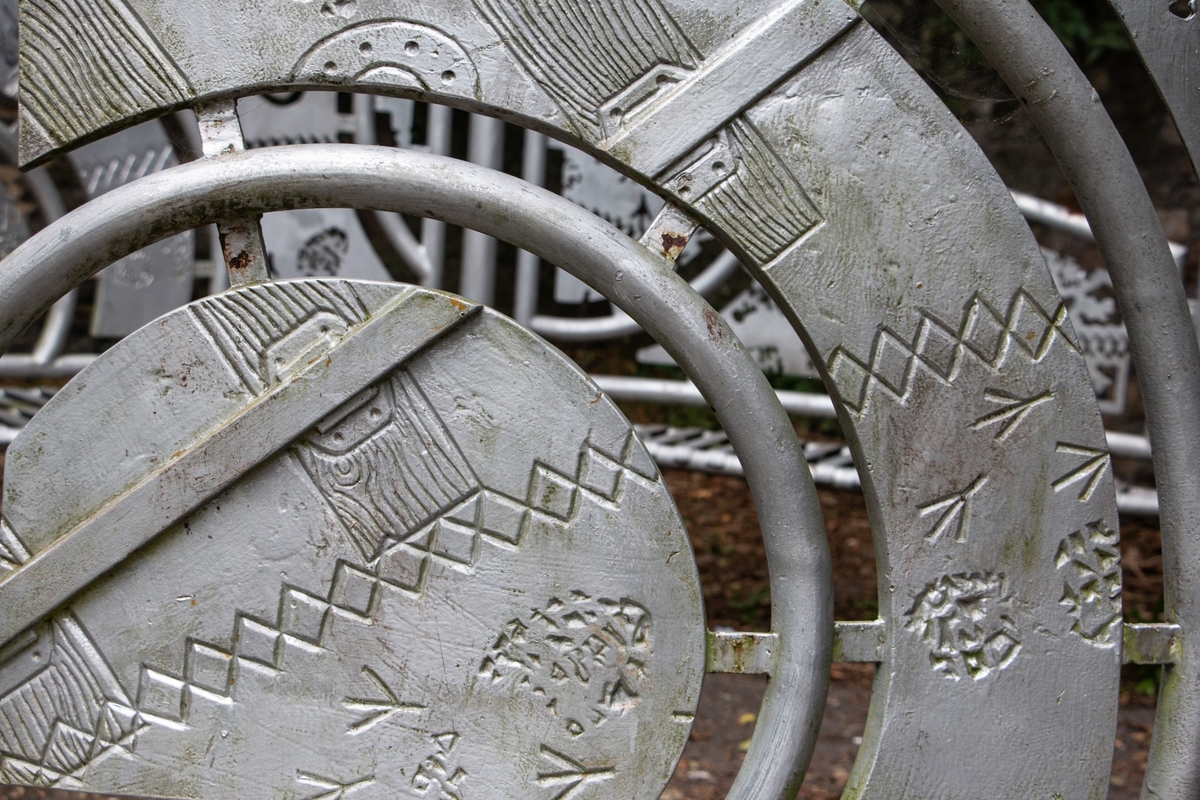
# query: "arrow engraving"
{"points": [[571, 776], [1013, 413], [333, 790], [1091, 471], [379, 710], [956, 512]]}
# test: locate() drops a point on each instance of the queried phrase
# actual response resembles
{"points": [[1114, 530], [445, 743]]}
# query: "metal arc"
{"points": [[324, 176], [1068, 112]]}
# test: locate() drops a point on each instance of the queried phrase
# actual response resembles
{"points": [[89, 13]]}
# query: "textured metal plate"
{"points": [[461, 582], [313, 243], [320, 243], [813, 151]]}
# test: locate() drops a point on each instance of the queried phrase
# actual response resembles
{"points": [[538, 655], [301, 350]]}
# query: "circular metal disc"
{"points": [[454, 572]]}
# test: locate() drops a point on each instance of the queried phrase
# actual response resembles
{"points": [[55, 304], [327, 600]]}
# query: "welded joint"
{"points": [[220, 127], [756, 653], [1152, 643], [241, 239], [669, 233], [859, 642], [742, 653]]}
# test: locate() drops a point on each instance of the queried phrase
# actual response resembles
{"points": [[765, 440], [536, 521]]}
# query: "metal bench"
{"points": [[440, 562]]}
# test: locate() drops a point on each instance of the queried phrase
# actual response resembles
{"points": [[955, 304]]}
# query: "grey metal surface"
{"points": [[147, 284], [509, 609], [793, 135], [326, 176], [1167, 37], [525, 290], [1089, 149], [240, 237], [485, 146], [8, 49], [831, 464]]}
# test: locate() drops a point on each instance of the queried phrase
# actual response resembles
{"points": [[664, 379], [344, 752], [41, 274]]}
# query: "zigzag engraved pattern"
{"points": [[65, 716], [939, 349], [455, 540], [86, 63], [249, 326], [586, 52]]}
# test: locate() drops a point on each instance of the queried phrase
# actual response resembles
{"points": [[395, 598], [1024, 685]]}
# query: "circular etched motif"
{"points": [[385, 543]]}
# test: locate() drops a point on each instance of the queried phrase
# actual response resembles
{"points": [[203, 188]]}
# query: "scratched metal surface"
{"points": [[817, 155], [456, 582]]}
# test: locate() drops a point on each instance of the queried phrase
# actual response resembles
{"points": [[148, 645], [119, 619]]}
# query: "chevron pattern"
{"points": [[939, 349], [455, 540]]}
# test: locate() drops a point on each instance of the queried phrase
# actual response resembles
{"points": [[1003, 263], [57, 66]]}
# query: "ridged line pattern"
{"points": [[584, 52], [64, 716], [245, 325], [402, 472], [87, 63], [761, 204]]}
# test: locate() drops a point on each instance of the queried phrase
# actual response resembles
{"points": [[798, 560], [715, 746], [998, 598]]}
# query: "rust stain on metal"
{"points": [[673, 244], [716, 331], [240, 262]]}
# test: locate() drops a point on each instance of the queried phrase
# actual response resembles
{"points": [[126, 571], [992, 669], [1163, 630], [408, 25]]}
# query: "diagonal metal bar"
{"points": [[198, 473]]}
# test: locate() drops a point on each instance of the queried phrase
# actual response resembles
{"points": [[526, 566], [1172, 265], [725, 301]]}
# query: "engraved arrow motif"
{"points": [[1013, 413], [1091, 471], [571, 776], [380, 710], [333, 790], [955, 510]]}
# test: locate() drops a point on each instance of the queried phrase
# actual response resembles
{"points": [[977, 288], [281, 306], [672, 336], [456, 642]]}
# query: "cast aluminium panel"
{"points": [[457, 581], [333, 176], [926, 302]]}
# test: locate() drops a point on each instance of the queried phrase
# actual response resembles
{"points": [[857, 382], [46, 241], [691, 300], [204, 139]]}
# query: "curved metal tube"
{"points": [[325, 176], [618, 323], [57, 327], [1092, 155]]}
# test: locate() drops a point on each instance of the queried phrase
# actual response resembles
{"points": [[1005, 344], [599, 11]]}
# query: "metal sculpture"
{"points": [[927, 304], [376, 502]]}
